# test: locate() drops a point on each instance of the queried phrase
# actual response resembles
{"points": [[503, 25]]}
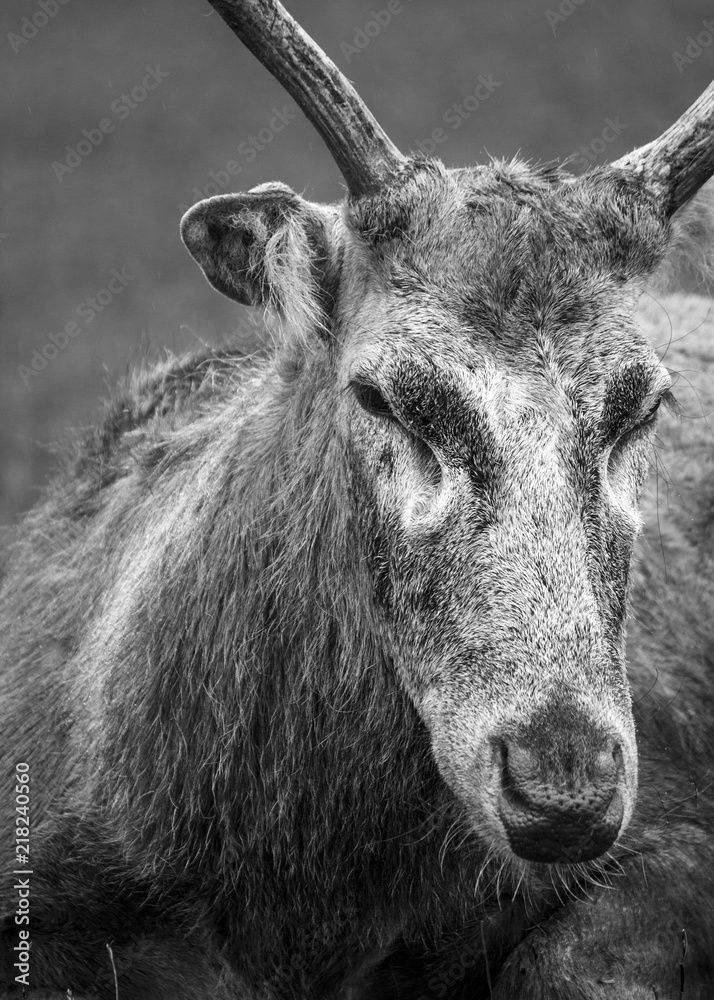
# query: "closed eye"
{"points": [[645, 421], [371, 399], [649, 418]]}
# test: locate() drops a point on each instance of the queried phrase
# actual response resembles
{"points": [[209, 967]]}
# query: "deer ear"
{"points": [[266, 247]]}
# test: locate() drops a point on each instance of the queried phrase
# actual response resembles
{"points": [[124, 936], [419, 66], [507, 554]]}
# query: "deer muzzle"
{"points": [[553, 813]]}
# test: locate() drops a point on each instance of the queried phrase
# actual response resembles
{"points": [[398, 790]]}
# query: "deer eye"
{"points": [[371, 399], [649, 418], [633, 432], [644, 422]]}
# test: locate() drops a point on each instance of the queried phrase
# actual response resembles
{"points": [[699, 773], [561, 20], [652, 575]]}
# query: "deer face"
{"points": [[496, 405], [502, 412]]}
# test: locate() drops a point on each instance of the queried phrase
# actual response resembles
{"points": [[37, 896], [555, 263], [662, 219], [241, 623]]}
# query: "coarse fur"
{"points": [[263, 633]]}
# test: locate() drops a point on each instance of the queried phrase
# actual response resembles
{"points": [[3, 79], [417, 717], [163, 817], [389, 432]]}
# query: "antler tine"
{"points": [[364, 153], [677, 164]]}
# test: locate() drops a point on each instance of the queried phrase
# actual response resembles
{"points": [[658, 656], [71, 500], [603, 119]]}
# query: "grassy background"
{"points": [[120, 208]]}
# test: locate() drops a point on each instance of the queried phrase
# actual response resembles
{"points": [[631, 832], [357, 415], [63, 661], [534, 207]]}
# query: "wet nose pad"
{"points": [[550, 818]]}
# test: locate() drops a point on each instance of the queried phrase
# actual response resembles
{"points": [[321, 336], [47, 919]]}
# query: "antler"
{"points": [[364, 153], [677, 164]]}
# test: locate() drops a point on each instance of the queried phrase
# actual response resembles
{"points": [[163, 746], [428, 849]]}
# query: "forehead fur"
{"points": [[509, 241]]}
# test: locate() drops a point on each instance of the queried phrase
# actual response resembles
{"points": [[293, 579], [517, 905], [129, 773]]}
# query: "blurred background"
{"points": [[118, 116]]}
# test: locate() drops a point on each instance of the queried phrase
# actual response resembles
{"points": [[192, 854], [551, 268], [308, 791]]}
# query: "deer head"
{"points": [[496, 403]]}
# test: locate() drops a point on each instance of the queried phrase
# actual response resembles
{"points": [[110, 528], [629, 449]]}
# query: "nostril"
{"points": [[608, 767], [508, 787], [518, 774]]}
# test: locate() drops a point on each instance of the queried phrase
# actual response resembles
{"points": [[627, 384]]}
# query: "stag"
{"points": [[315, 660]]}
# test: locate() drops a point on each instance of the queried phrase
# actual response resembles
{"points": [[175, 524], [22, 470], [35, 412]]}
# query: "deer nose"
{"points": [[556, 816]]}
